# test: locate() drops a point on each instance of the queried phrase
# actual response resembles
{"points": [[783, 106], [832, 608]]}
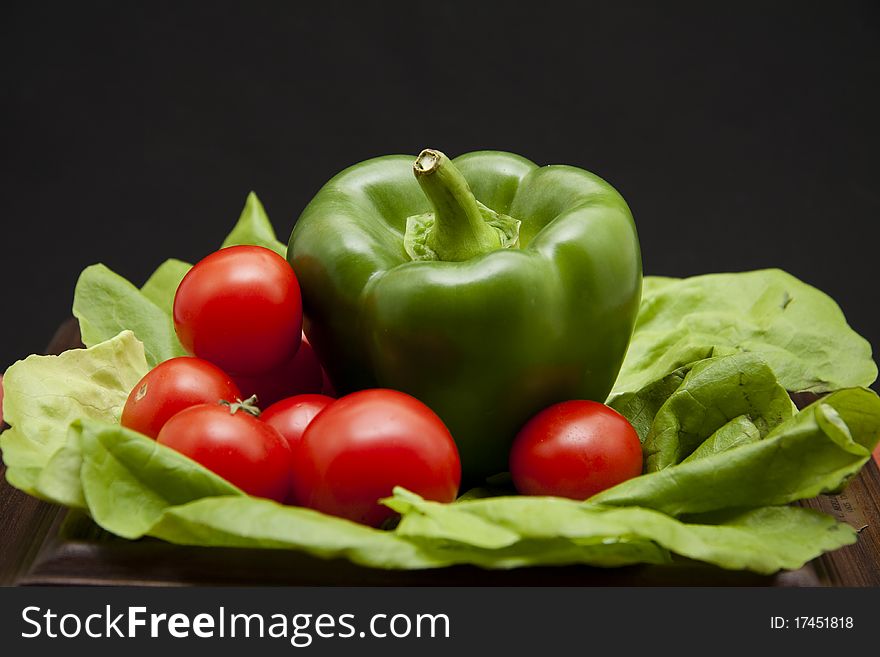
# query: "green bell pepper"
{"points": [[487, 310]]}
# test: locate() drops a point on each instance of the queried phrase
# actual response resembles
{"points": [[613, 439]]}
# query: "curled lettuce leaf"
{"points": [[720, 400], [44, 395], [816, 451]]}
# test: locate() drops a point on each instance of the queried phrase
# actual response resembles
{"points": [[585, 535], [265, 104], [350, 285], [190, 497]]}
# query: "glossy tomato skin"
{"points": [[172, 386], [241, 309], [299, 375], [291, 416], [239, 447], [574, 449], [361, 446]]}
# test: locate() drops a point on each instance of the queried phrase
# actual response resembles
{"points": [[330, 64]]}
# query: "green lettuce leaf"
{"points": [[254, 227], [723, 395], [129, 479], [105, 304], [161, 286], [763, 540], [816, 451], [24, 462], [641, 407], [43, 395], [60, 481], [797, 329], [738, 431], [253, 522]]}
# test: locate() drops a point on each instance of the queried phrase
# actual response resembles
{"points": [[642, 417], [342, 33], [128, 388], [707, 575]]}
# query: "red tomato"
{"points": [[241, 309], [300, 375], [171, 387], [574, 449], [234, 444], [291, 416], [361, 446]]}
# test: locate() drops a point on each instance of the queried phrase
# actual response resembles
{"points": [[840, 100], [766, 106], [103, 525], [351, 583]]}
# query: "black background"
{"points": [[742, 136]]}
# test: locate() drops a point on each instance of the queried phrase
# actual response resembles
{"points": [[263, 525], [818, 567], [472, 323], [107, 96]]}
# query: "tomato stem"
{"points": [[248, 405]]}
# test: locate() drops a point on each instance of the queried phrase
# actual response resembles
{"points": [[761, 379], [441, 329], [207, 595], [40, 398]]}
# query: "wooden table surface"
{"points": [[42, 544]]}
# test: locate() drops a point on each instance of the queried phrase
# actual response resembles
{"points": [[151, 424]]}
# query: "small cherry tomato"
{"points": [[361, 446], [172, 386], [574, 449], [300, 375], [234, 444], [241, 309], [291, 416]]}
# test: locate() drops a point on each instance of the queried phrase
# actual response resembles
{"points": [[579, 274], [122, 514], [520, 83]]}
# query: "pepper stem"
{"points": [[459, 232]]}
